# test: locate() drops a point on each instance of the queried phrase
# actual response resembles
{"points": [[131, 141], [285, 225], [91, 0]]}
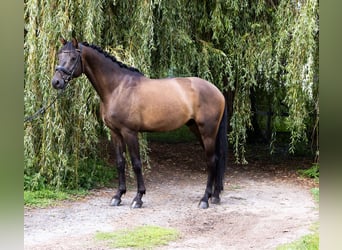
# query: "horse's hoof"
{"points": [[115, 202], [136, 204], [215, 200], [203, 204]]}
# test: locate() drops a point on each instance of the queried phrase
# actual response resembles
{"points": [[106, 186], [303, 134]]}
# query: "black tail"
{"points": [[221, 149]]}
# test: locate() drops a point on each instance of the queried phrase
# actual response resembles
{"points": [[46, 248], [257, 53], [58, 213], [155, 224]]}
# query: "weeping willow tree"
{"points": [[264, 47], [60, 140]]}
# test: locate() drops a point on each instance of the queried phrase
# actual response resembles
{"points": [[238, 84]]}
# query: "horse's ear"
{"points": [[63, 41], [74, 42]]}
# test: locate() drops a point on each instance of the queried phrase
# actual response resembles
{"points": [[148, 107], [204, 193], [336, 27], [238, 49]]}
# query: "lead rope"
{"points": [[43, 109]]}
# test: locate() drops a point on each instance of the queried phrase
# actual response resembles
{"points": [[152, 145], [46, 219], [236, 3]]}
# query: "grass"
{"points": [[310, 241], [307, 242], [46, 198], [315, 193], [143, 237]]}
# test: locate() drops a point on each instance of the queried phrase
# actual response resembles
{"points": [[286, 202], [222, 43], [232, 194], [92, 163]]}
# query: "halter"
{"points": [[70, 73]]}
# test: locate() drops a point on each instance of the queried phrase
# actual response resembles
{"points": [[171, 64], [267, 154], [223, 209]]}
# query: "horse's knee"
{"points": [[136, 163], [120, 164]]}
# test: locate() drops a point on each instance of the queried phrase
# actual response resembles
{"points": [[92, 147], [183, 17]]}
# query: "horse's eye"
{"points": [[73, 58]]}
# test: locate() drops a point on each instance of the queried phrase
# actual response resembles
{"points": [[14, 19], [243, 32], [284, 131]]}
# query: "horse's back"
{"points": [[186, 93], [193, 89]]}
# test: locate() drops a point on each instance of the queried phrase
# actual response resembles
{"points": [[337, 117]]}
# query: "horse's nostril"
{"points": [[56, 83]]}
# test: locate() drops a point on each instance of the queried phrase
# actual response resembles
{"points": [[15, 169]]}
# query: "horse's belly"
{"points": [[161, 118]]}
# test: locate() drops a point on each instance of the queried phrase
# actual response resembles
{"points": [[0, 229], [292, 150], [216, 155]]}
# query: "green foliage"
{"points": [[312, 172], [46, 197], [182, 134], [59, 141], [94, 174], [143, 237], [90, 174], [301, 67], [243, 47]]}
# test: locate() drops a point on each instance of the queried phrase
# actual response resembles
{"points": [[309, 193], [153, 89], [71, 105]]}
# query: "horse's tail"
{"points": [[221, 149]]}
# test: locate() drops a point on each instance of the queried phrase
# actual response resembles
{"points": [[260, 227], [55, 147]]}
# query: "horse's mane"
{"points": [[106, 54]]}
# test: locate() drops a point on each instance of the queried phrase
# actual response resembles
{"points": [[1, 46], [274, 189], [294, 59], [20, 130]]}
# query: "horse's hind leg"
{"points": [[121, 162], [209, 146], [194, 129]]}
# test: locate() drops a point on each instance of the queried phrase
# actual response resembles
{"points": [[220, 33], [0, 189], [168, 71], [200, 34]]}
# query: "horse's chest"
{"points": [[113, 118], [106, 117]]}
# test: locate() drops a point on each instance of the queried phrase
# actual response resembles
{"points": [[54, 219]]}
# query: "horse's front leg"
{"points": [[131, 139], [121, 162]]}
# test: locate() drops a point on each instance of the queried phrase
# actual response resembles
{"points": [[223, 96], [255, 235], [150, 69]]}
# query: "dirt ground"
{"points": [[264, 204]]}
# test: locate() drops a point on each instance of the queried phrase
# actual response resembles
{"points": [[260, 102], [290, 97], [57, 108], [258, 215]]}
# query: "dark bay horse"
{"points": [[132, 103]]}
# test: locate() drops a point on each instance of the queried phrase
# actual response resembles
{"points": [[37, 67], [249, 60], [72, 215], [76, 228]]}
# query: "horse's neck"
{"points": [[103, 74]]}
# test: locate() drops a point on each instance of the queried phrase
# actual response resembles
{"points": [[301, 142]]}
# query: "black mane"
{"points": [[106, 54]]}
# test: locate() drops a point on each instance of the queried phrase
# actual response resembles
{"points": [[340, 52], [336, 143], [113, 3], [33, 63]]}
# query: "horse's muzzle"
{"points": [[58, 83]]}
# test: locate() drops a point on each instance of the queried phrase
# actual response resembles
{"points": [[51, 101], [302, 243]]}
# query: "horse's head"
{"points": [[69, 64]]}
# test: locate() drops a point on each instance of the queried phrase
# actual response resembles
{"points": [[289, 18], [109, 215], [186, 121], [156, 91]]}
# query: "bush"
{"points": [[312, 172]]}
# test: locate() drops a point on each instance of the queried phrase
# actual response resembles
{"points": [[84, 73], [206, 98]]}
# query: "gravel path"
{"points": [[261, 207]]}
